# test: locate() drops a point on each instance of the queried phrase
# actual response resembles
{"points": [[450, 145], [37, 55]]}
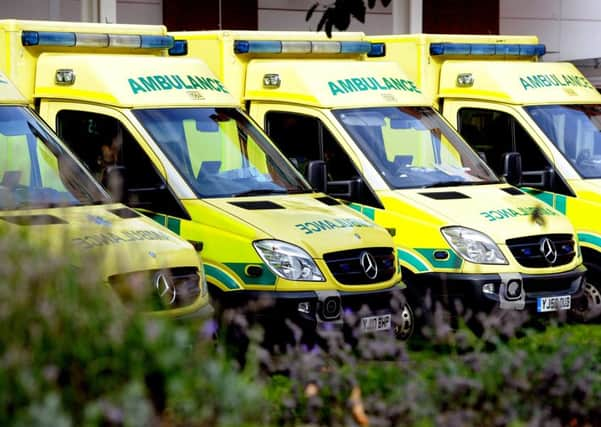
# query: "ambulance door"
{"points": [[303, 135], [118, 157], [493, 130]]}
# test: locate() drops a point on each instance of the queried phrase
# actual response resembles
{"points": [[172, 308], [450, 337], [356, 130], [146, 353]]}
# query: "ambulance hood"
{"points": [[332, 83], [131, 81], [499, 211], [518, 82], [316, 223], [113, 237], [592, 188]]}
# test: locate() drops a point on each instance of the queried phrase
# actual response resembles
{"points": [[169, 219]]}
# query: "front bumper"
{"points": [[311, 310], [510, 291]]}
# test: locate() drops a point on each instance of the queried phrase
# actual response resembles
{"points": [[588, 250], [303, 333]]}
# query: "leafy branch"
{"points": [[338, 14]]}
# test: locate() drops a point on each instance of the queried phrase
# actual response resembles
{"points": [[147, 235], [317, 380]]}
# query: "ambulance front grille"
{"points": [[356, 266], [158, 289], [529, 251], [556, 285]]}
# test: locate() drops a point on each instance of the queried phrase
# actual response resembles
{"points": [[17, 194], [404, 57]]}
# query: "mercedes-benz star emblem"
{"points": [[369, 264], [165, 288], [548, 249]]}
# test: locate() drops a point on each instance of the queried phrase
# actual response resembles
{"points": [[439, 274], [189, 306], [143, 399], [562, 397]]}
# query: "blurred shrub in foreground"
{"points": [[71, 354], [511, 375]]}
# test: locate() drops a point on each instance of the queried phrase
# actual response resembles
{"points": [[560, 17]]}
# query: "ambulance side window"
{"points": [[494, 133], [303, 138], [116, 160]]}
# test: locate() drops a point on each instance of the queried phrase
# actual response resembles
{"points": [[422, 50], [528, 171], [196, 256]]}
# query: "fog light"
{"points": [[304, 307], [514, 289], [488, 288], [331, 308]]}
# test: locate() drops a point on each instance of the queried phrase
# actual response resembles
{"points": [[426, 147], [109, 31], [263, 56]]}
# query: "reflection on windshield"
{"points": [[220, 153], [412, 147], [35, 171], [576, 131]]}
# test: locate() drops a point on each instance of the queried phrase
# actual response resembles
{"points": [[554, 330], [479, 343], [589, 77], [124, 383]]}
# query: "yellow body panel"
{"points": [[134, 81], [228, 232], [105, 237], [509, 86], [115, 82], [320, 80], [416, 220], [512, 79]]}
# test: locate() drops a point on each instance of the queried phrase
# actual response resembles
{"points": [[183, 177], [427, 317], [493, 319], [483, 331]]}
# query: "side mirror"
{"points": [[542, 179], [513, 168], [350, 189], [317, 175]]}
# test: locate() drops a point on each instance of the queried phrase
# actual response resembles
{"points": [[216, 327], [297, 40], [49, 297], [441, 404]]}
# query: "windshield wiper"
{"points": [[457, 183], [259, 192], [301, 191]]}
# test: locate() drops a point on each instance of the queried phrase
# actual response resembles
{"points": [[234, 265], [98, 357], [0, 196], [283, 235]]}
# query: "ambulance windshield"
{"points": [[576, 132], [220, 153], [412, 147], [35, 170]]}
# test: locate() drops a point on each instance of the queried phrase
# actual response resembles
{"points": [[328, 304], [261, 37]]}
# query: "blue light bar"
{"points": [[486, 49], [180, 48], [156, 42], [47, 38], [257, 46], [69, 39], [301, 46], [377, 50], [355, 47]]}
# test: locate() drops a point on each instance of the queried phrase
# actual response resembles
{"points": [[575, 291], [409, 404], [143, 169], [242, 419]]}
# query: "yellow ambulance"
{"points": [[461, 233], [166, 136], [50, 198], [503, 99]]}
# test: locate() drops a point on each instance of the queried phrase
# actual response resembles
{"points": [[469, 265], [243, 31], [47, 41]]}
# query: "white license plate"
{"points": [[376, 323], [563, 302]]}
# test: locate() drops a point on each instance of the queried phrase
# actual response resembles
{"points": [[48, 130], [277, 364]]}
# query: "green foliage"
{"points": [[72, 354], [551, 376], [338, 15]]}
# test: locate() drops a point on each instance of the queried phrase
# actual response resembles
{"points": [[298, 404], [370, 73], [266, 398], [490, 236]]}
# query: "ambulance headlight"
{"points": [[473, 246], [288, 261]]}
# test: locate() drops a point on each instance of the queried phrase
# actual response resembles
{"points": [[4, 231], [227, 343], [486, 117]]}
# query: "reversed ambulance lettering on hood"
{"points": [[363, 84], [102, 239], [500, 214], [537, 81], [174, 82], [311, 227]]}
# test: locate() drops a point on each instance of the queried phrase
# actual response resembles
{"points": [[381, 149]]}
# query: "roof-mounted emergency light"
{"points": [[300, 46], [179, 48], [486, 49], [377, 50], [69, 39]]}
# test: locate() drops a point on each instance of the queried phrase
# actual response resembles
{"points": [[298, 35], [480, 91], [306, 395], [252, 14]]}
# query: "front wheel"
{"points": [[404, 323], [589, 307]]}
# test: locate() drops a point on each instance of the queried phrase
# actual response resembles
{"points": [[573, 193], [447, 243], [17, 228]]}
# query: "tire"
{"points": [[404, 323], [589, 307]]}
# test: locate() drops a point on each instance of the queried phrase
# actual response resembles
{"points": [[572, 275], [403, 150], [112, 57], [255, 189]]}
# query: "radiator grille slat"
{"points": [[348, 269]]}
